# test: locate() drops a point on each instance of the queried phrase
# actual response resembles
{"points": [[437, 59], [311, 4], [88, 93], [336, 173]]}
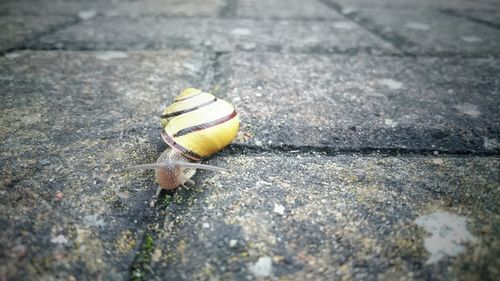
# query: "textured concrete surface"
{"points": [[369, 146], [420, 5], [91, 8], [281, 9], [69, 125], [488, 18], [17, 30], [432, 32], [355, 102], [222, 35], [320, 218]]}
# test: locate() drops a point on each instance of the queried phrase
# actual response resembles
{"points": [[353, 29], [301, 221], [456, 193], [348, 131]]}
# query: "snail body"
{"points": [[172, 169], [170, 176], [195, 126]]}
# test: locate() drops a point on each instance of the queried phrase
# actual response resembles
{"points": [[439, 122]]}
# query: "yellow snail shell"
{"points": [[196, 125]]}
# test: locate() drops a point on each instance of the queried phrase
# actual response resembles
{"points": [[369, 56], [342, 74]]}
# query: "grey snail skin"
{"points": [[195, 126]]}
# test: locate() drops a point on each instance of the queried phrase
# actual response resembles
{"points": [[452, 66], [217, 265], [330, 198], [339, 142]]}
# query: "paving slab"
{"points": [[432, 33], [221, 35], [285, 9], [345, 218], [17, 30], [86, 9], [422, 5], [359, 102], [70, 122]]}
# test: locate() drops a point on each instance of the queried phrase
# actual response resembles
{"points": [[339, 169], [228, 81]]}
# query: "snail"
{"points": [[195, 126]]}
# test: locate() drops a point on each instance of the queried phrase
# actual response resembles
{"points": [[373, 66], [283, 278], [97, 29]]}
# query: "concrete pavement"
{"points": [[369, 146]]}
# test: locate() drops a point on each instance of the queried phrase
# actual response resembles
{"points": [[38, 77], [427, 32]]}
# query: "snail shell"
{"points": [[196, 125]]}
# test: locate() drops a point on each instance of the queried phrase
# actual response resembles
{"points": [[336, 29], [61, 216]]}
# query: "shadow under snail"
{"points": [[195, 126]]}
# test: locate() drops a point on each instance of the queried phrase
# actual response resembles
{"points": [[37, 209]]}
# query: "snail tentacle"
{"points": [[152, 166], [198, 166], [168, 163]]}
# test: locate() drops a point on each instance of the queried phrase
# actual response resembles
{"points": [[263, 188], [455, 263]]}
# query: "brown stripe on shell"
{"points": [[203, 126], [178, 147], [180, 112]]}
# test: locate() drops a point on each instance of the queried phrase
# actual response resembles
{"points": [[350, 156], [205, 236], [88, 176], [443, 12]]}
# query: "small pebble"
{"points": [[263, 267], [391, 83], [86, 15], [390, 123], [156, 255], [59, 196], [240, 31], [20, 251], [343, 25], [279, 209], [249, 46], [438, 161], [110, 55], [490, 144], [59, 239], [12, 55], [232, 243], [471, 39], [417, 26]]}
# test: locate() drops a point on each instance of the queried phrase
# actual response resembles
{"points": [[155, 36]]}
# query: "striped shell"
{"points": [[197, 124]]}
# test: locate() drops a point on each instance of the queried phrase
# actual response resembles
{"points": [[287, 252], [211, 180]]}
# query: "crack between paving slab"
{"points": [[394, 39], [140, 267], [202, 78], [220, 78], [246, 149], [25, 44], [210, 74], [237, 149], [470, 18], [206, 80], [211, 77]]}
